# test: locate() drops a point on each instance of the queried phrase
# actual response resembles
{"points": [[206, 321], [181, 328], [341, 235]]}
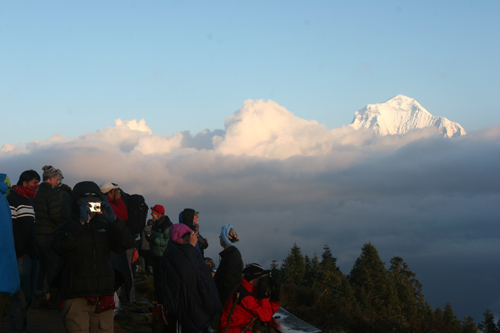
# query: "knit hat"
{"points": [[176, 232], [254, 271], [229, 235], [61, 177], [49, 171], [158, 209], [106, 187]]}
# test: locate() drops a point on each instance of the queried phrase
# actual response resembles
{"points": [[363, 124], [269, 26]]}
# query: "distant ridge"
{"points": [[401, 114]]}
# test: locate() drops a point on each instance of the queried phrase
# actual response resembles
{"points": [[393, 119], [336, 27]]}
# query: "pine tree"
{"points": [[328, 276], [275, 271], [451, 323], [294, 266], [468, 325], [488, 325], [409, 289], [314, 267], [327, 259], [308, 276], [345, 293], [373, 288]]}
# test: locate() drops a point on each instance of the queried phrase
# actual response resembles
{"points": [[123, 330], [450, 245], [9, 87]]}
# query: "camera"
{"points": [[95, 207]]}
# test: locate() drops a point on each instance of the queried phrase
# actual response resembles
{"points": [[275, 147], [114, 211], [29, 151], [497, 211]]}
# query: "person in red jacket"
{"points": [[112, 192], [257, 297]]}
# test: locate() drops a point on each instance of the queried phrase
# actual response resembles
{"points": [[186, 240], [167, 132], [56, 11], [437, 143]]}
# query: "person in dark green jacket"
{"points": [[158, 239]]}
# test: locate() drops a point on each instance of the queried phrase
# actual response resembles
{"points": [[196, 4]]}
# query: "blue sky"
{"points": [[74, 67]]}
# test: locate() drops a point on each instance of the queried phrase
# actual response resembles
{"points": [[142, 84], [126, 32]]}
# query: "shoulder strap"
{"points": [[243, 293]]}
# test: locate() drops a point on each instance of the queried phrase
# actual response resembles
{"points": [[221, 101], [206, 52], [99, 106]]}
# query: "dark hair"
{"points": [[28, 175], [186, 236]]}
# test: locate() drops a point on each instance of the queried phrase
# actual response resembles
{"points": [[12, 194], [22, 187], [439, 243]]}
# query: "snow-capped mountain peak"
{"points": [[401, 114]]}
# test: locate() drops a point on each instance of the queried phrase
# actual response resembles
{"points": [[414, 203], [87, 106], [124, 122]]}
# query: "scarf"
{"points": [[27, 192]]}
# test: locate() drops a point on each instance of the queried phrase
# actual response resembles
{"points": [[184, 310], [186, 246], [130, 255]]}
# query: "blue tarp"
{"points": [[9, 276]]}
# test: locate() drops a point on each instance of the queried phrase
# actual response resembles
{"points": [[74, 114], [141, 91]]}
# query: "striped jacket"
{"points": [[23, 225]]}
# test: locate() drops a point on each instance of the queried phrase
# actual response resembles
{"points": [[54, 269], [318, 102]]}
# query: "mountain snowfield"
{"points": [[401, 114]]}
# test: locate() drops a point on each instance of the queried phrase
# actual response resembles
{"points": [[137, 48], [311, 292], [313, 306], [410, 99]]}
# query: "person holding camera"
{"points": [[257, 297], [190, 218], [86, 245], [187, 290], [114, 196]]}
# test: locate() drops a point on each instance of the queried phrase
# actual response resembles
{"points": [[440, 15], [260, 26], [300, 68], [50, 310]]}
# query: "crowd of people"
{"points": [[73, 250]]}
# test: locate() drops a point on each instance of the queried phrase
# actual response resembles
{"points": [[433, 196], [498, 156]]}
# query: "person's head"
{"points": [[228, 236], [50, 175], [108, 189], [182, 234], [210, 263], [189, 217], [253, 272], [61, 177], [157, 211], [86, 190], [29, 178]]}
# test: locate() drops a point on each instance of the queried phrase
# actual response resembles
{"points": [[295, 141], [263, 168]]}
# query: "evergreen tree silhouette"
{"points": [[294, 266], [328, 275], [374, 290], [468, 325], [451, 322], [275, 271], [488, 325], [409, 290]]}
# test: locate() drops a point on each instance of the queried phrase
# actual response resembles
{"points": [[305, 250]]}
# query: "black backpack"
{"points": [[137, 212]]}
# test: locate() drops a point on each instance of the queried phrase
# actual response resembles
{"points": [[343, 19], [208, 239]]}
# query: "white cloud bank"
{"points": [[280, 179]]}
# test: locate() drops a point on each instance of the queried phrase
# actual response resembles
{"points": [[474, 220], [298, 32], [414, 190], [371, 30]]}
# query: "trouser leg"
{"points": [[101, 322], [76, 314], [18, 304], [156, 275], [131, 294]]}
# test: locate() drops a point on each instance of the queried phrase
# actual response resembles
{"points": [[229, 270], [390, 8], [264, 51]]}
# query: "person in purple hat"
{"points": [[187, 290]]}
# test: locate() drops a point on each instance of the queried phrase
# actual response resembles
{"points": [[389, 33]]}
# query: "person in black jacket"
{"points": [[190, 218], [228, 275], [23, 225], [86, 245], [48, 216], [187, 290], [65, 196]]}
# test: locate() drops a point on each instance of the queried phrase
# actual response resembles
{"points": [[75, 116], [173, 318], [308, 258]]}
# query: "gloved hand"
{"points": [[262, 287], [275, 290], [85, 212], [107, 211]]}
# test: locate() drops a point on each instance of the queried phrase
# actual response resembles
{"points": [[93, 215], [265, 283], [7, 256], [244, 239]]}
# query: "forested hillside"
{"points": [[371, 298]]}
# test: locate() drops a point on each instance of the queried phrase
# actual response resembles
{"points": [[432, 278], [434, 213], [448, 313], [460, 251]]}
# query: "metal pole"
{"points": [[248, 325], [232, 311]]}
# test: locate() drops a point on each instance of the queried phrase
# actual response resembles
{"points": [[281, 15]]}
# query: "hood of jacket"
{"points": [[187, 217], [4, 187], [86, 187]]}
